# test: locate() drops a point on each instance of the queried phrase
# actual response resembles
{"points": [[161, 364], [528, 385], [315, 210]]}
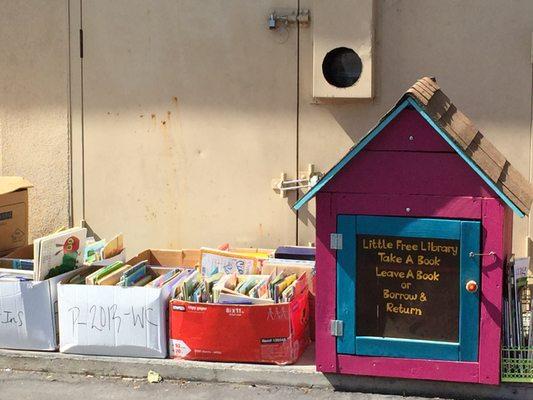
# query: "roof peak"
{"points": [[461, 133]]}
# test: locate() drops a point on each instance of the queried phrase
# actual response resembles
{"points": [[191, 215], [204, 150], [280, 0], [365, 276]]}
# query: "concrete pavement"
{"points": [[44, 386], [301, 376]]}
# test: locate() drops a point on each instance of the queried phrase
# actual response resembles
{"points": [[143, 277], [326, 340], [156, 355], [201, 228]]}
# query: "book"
{"points": [[100, 273], [190, 283], [162, 279], [179, 277], [144, 280], [517, 305], [237, 298], [281, 285], [294, 289], [61, 252], [113, 277], [114, 247], [226, 282], [295, 253], [93, 251], [260, 291], [132, 275], [215, 261]]}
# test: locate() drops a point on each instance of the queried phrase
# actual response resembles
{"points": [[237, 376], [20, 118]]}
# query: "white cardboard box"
{"points": [[113, 321], [28, 314], [117, 321], [28, 310]]}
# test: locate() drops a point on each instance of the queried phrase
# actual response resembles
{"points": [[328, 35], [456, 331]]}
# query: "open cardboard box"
{"points": [[269, 333], [117, 321], [28, 309], [296, 267], [13, 213]]}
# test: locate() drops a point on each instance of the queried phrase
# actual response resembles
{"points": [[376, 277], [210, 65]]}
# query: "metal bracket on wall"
{"points": [[306, 179], [278, 19]]}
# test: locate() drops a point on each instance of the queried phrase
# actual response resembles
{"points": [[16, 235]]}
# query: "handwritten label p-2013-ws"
{"points": [[108, 318], [110, 315], [112, 320]]}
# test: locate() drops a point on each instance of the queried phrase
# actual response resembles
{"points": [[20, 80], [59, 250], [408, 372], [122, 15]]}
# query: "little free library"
{"points": [[414, 228]]}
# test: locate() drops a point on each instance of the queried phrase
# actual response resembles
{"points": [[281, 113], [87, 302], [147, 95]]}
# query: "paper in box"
{"points": [[275, 334], [118, 321]]}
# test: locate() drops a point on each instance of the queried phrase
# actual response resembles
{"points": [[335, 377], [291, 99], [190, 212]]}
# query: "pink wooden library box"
{"points": [[414, 227]]}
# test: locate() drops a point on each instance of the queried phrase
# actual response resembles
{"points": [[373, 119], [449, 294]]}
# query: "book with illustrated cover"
{"points": [[58, 253], [215, 261]]}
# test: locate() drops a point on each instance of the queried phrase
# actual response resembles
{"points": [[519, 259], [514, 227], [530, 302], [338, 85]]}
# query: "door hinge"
{"points": [[336, 327], [335, 241], [81, 43]]}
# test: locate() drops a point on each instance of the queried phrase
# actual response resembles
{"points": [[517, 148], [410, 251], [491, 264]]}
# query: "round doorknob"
{"points": [[471, 286]]}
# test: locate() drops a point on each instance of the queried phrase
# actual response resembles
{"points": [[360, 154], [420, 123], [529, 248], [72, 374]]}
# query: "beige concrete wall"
{"points": [[34, 105], [480, 52]]}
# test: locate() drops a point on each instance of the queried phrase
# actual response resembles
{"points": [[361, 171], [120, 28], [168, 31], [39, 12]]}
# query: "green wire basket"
{"points": [[517, 364]]}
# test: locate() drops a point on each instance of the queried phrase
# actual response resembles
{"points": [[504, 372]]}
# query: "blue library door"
{"points": [[408, 287]]}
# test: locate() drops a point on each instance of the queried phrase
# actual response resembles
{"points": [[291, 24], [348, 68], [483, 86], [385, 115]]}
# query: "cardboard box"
{"points": [[189, 258], [274, 334], [13, 213], [117, 321], [18, 257], [28, 310], [296, 267], [28, 314], [108, 261]]}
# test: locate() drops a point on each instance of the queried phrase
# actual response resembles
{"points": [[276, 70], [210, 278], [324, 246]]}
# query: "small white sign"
{"points": [[178, 348]]}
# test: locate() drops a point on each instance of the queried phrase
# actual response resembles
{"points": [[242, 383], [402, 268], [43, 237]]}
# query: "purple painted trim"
{"points": [[418, 206], [493, 236], [326, 352], [411, 369]]}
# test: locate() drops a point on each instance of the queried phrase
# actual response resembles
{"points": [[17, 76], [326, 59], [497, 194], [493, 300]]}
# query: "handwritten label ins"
{"points": [[11, 318]]}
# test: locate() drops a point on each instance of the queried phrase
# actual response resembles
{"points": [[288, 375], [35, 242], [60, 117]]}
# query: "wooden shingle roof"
{"points": [[461, 133], [467, 136]]}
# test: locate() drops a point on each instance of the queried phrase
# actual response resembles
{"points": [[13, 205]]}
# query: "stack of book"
{"points": [[237, 288], [125, 275], [518, 305]]}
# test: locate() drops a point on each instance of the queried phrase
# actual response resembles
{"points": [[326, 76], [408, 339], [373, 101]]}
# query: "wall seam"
{"points": [[69, 121], [297, 122], [82, 118]]}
